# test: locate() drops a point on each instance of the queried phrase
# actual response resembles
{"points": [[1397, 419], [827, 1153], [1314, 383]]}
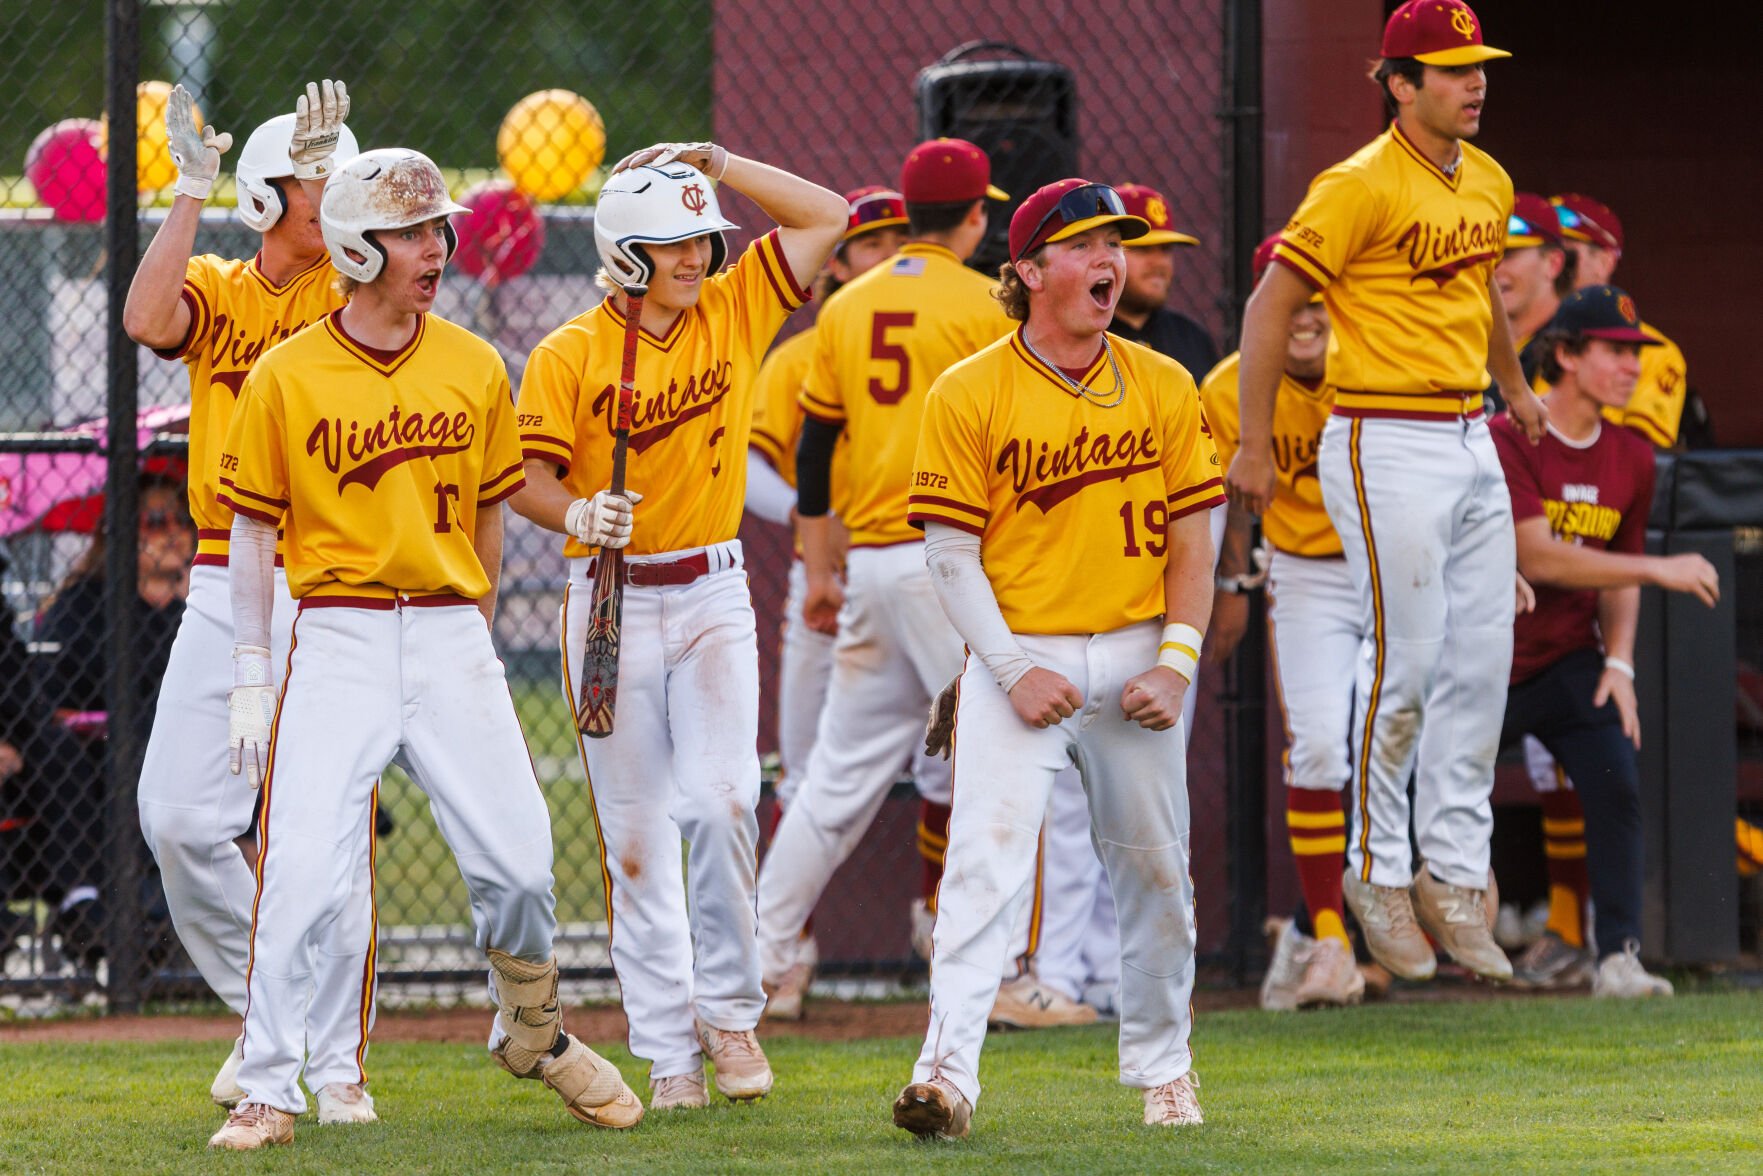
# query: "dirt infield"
{"points": [[827, 1020]]}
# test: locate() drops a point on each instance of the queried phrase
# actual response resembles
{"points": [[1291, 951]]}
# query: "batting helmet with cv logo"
{"points": [[656, 206]]}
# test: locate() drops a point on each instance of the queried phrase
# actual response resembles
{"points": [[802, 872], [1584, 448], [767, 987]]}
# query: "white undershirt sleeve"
{"points": [[959, 577], [252, 565], [768, 496]]}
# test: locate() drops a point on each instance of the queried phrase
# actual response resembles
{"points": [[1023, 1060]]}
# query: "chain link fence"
{"points": [[523, 106]]}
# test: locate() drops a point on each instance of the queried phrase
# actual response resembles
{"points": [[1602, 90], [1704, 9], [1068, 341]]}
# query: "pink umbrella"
{"points": [[65, 491]]}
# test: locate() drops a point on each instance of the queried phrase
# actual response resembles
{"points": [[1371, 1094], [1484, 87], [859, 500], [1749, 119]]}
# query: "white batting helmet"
{"points": [[386, 188], [265, 158], [656, 206]]}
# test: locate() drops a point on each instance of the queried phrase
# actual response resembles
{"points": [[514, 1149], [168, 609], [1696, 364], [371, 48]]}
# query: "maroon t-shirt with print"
{"points": [[1596, 493]]}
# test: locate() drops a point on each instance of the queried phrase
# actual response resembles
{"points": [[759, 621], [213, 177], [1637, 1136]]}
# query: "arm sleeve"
{"points": [[965, 593], [1330, 228], [814, 467], [768, 496], [251, 565]]}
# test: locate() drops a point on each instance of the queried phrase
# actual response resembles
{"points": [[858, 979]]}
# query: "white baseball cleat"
{"points": [[1285, 971], [924, 922], [1386, 915], [1174, 1104], [1621, 976], [345, 1102], [224, 1090]]}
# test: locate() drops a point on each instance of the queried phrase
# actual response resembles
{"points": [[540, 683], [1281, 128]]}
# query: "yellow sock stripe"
{"points": [[1566, 827], [1300, 819], [1378, 645], [1750, 840], [1312, 846], [581, 750], [927, 837], [1564, 851]]}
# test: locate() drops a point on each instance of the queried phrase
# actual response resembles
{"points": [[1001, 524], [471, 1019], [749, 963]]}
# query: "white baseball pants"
{"points": [[192, 808], [1426, 522], [1137, 785], [682, 762], [894, 652], [362, 685], [1317, 620], [805, 667]]}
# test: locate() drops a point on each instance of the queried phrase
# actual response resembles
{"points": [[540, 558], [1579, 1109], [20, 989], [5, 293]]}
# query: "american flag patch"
{"points": [[910, 267]]}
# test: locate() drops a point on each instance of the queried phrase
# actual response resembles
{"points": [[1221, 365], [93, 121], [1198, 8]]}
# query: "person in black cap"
{"points": [[1579, 502]]}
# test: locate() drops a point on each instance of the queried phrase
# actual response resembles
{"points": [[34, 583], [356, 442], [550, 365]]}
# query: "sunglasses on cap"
{"points": [[1517, 226], [1571, 220], [1079, 204], [879, 206]]}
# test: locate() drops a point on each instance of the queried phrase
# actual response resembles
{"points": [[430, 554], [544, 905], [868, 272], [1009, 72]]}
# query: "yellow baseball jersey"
{"points": [[1403, 253], [236, 314], [1072, 501], [693, 409], [1296, 522], [880, 344], [1655, 411], [375, 464]]}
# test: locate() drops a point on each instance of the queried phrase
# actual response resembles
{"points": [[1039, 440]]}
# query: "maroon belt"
{"points": [[666, 574]]}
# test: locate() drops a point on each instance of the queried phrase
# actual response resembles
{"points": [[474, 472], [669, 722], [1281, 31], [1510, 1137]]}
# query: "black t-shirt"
{"points": [[1174, 335]]}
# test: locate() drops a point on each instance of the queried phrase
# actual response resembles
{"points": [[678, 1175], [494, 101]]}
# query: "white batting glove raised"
{"points": [[197, 154], [250, 712], [318, 122], [706, 157], [603, 520]]}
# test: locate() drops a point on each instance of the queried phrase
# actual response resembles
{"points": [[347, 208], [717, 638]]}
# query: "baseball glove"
{"points": [[939, 729]]}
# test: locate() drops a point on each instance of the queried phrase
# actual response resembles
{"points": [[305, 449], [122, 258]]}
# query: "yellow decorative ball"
{"points": [[153, 166], [550, 143]]}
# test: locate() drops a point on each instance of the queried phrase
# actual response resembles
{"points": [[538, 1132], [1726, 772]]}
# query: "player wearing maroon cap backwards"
{"points": [[1402, 238], [1062, 478], [1581, 499]]}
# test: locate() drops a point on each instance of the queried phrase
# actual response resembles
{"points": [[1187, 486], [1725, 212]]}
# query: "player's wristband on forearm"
{"points": [[1180, 649], [250, 665], [196, 186], [1626, 669]]}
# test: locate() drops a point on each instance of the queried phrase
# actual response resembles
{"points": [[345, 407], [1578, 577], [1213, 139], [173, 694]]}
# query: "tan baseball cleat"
{"points": [[592, 1088], [1174, 1104], [1386, 915], [1026, 1003], [1330, 976], [345, 1102], [742, 1071], [1285, 971], [784, 1000], [678, 1092], [254, 1125], [933, 1110], [1456, 917], [225, 1090]]}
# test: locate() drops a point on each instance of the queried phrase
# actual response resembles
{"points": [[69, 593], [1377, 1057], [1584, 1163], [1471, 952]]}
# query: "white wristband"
{"points": [[1180, 649], [195, 186], [1621, 667], [251, 666]]}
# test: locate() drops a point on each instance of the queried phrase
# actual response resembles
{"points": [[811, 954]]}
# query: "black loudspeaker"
{"points": [[1021, 111]]}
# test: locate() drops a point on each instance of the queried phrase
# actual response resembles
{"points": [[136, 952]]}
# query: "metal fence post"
{"points": [[123, 892]]}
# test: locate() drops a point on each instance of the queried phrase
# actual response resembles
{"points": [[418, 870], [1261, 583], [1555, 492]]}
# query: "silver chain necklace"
{"points": [[1084, 390]]}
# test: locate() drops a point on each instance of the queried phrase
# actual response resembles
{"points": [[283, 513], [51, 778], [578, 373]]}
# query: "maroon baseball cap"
{"points": [[1533, 222], [1065, 209], [1147, 203], [1437, 32], [1584, 219], [873, 207], [947, 171], [1602, 312]]}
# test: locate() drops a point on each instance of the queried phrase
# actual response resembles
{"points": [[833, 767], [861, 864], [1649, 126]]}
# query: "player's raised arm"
{"points": [[154, 313], [1281, 293], [319, 114], [810, 219]]}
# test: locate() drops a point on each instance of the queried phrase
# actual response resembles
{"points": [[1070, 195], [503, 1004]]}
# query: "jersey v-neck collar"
{"points": [[1452, 179], [255, 269], [663, 341], [1052, 374], [378, 358]]}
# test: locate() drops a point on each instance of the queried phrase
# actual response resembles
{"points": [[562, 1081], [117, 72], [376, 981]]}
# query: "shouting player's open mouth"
{"points": [[1103, 293], [429, 282]]}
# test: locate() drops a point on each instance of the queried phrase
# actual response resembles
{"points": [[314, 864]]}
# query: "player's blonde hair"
{"points": [[1010, 292], [345, 286]]}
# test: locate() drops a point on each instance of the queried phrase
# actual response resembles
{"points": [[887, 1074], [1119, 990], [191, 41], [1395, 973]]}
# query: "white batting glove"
{"points": [[603, 520], [318, 120], [197, 155], [250, 712], [706, 157]]}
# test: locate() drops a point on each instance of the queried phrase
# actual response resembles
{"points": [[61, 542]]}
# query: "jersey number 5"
{"points": [[882, 351], [1156, 516]]}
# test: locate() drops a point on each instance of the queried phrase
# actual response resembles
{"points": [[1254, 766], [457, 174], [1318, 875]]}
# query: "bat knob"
{"points": [[636, 290]]}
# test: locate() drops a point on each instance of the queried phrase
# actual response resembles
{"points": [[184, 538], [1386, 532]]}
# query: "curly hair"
{"points": [[1010, 292]]}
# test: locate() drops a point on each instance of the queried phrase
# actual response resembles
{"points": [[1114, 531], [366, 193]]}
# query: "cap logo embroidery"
{"points": [[692, 196], [1463, 23], [1156, 212], [1625, 307]]}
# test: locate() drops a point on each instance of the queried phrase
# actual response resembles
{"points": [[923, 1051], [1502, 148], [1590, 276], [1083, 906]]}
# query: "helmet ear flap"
{"points": [[644, 263], [718, 253], [452, 236]]}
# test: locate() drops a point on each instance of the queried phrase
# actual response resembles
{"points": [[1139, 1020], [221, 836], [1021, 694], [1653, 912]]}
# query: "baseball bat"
{"points": [[595, 708]]}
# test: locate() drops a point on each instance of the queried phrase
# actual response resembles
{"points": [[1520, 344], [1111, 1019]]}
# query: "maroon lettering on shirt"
{"points": [[1596, 495]]}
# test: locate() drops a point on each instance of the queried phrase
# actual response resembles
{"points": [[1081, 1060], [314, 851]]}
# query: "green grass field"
{"points": [[1566, 1085]]}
